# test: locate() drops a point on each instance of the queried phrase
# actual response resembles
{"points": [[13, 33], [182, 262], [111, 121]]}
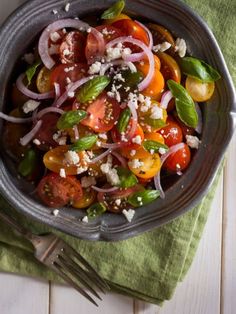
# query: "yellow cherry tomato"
{"points": [[199, 91], [145, 168], [43, 81], [89, 196], [153, 136], [55, 160], [119, 17], [147, 122]]}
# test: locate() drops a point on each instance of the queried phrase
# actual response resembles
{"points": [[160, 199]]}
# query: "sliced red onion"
{"points": [[147, 51], [71, 89], [14, 119], [120, 158], [200, 123], [49, 110], [149, 34], [157, 179], [165, 99], [122, 63], [135, 57], [76, 132], [20, 85], [57, 90], [108, 190], [99, 157], [56, 26], [29, 136], [112, 146]]}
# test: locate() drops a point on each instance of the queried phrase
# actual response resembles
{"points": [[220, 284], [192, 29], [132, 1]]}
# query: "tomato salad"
{"points": [[107, 110]]}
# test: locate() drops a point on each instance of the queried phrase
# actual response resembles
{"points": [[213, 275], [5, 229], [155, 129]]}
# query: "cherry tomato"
{"points": [[103, 113], [109, 33], [119, 17], [144, 65], [58, 38], [109, 199], [185, 129], [64, 72], [169, 67], [54, 160], [43, 81], [161, 34], [179, 160], [46, 131], [172, 133], [72, 49], [198, 90], [149, 166], [55, 191], [131, 28], [88, 198]]}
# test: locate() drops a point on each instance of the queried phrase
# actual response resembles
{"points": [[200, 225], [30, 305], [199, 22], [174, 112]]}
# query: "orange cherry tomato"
{"points": [[149, 166], [89, 196], [169, 67], [179, 160], [54, 160], [143, 65]]}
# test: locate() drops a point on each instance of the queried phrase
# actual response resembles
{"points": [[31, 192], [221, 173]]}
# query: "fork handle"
{"points": [[16, 226]]}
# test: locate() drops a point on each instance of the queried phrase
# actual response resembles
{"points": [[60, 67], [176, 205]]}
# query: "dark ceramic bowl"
{"points": [[219, 116]]}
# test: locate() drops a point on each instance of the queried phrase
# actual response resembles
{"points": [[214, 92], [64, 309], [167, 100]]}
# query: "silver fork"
{"points": [[56, 254]]}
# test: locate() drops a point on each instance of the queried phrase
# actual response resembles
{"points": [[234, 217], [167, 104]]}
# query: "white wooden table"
{"points": [[209, 287]]}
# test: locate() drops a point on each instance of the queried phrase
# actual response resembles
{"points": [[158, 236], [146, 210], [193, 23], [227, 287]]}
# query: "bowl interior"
{"points": [[20, 31]]}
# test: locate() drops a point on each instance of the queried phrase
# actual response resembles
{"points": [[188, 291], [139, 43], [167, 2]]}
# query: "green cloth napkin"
{"points": [[149, 266]]}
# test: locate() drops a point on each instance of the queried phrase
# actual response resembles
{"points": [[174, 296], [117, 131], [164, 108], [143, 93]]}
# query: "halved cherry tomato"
{"points": [[54, 160], [169, 67], [161, 34], [131, 28], [119, 17], [46, 131], [172, 133], [149, 166], [198, 90], [72, 71], [55, 191], [109, 199], [72, 49], [109, 33], [43, 81], [143, 65], [103, 113], [89, 196], [179, 160]]}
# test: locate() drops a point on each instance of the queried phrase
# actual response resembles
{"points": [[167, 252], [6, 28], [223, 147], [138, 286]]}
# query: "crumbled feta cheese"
{"points": [[30, 106], [135, 163], [162, 150], [72, 157], [66, 52], [129, 214], [29, 58], [55, 212], [193, 141], [139, 199], [152, 151], [111, 173], [162, 47], [106, 32], [132, 152], [156, 113], [69, 69], [178, 166], [53, 49], [119, 77], [81, 170], [36, 141], [62, 173], [86, 182], [71, 94], [181, 47], [95, 68], [133, 100], [89, 30], [54, 11], [102, 136], [125, 52], [137, 140], [118, 201], [68, 80], [55, 36], [85, 219], [67, 7], [114, 53]]}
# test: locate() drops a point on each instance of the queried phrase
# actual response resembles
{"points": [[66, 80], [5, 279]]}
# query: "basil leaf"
{"points": [[96, 210], [199, 69], [28, 164], [70, 118], [30, 72], [114, 10], [92, 89], [123, 120], [154, 145], [184, 103], [143, 197], [84, 143], [131, 78], [155, 123], [127, 178]]}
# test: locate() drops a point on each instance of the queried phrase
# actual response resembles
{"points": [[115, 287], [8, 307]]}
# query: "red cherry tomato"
{"points": [[185, 129], [103, 113], [179, 160], [73, 72], [56, 191], [46, 131], [131, 28], [172, 133], [109, 33], [72, 49]]}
